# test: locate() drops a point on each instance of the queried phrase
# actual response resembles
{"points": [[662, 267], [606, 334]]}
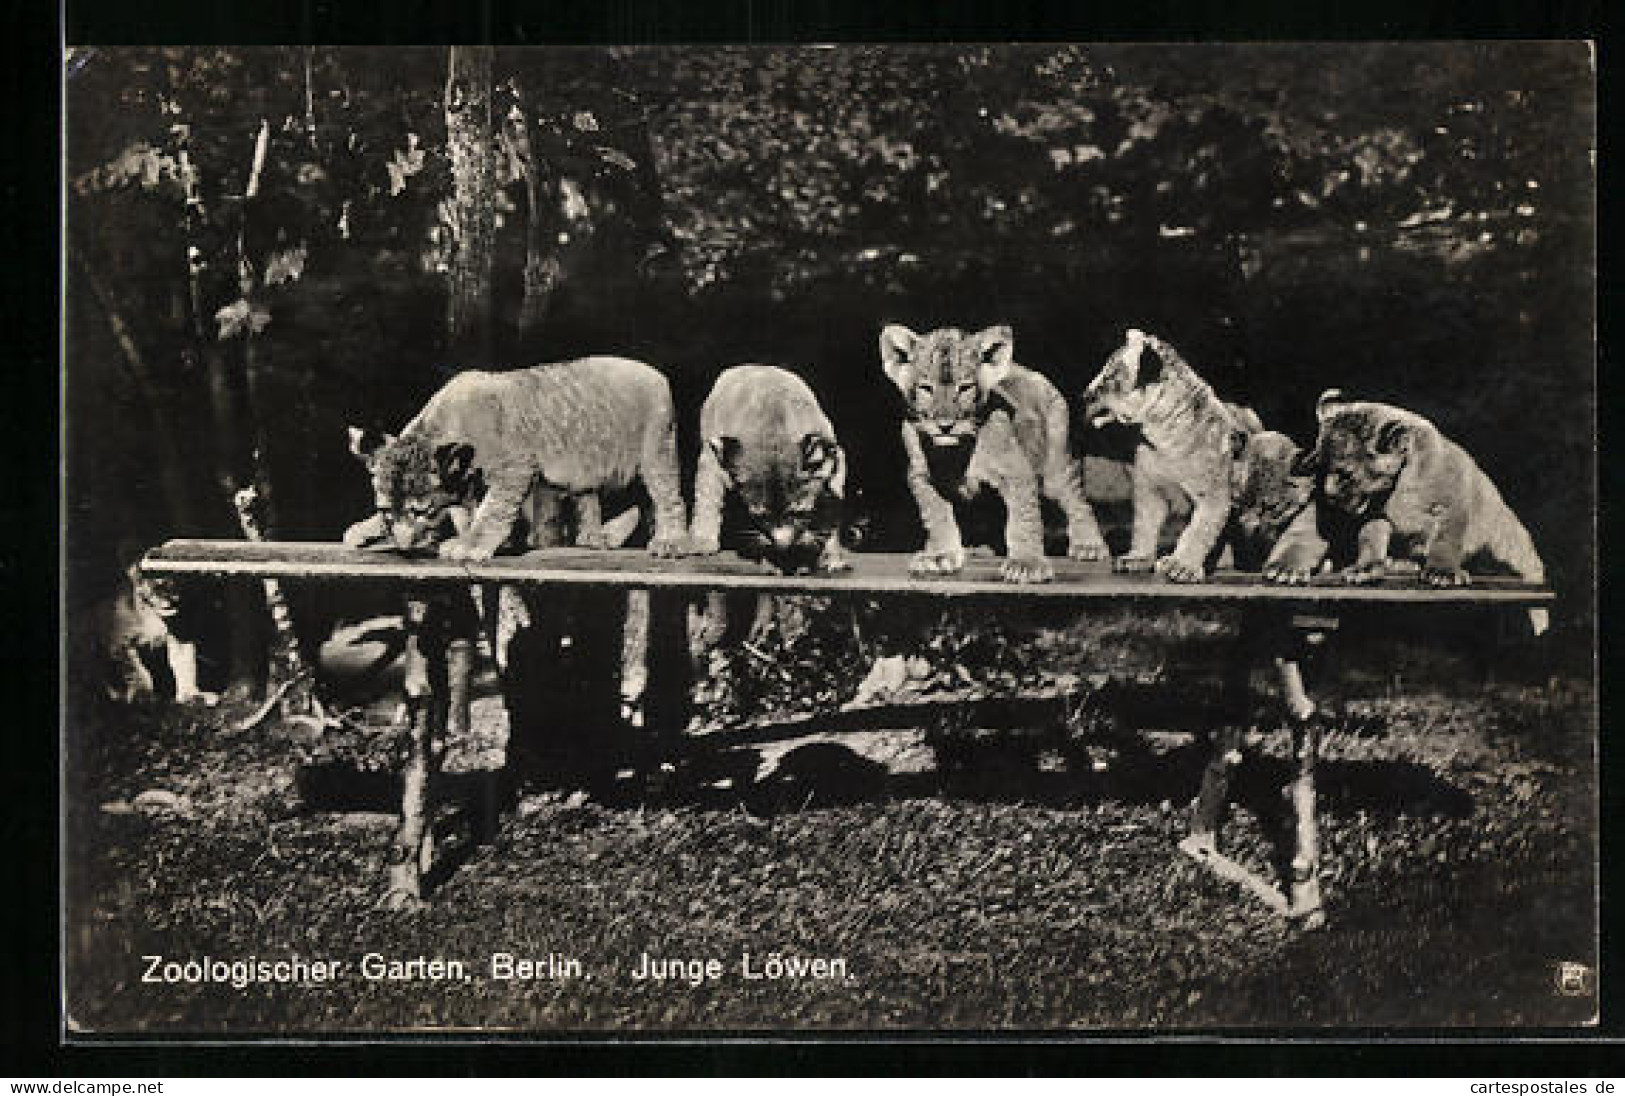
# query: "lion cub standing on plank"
{"points": [[767, 442], [965, 390], [1190, 443], [1415, 492], [577, 426]]}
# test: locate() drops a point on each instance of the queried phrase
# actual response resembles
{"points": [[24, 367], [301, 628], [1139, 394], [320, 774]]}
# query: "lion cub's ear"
{"points": [[727, 449], [1393, 436], [822, 456], [1329, 403], [897, 353], [1305, 464], [366, 443], [1151, 365], [454, 461], [995, 354]]}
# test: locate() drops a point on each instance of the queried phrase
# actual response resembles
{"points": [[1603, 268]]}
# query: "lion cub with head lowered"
{"points": [[965, 390], [1414, 491], [577, 426], [766, 441]]}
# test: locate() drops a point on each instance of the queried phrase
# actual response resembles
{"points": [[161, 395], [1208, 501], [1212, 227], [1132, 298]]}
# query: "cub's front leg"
{"points": [[710, 488], [493, 520], [1371, 557], [1188, 561], [1300, 551], [1063, 485], [944, 551], [367, 532], [1150, 512], [183, 666], [1000, 463]]}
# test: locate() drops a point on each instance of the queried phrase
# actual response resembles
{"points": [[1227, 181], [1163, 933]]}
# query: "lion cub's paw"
{"points": [[1088, 552], [464, 550], [1175, 569], [668, 547], [1446, 576], [1363, 574], [1133, 564], [1027, 569], [1285, 575], [834, 562], [367, 533], [201, 696], [704, 546], [938, 561], [596, 539]]}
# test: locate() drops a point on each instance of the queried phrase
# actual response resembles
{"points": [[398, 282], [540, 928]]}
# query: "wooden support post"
{"points": [[1295, 640], [668, 694], [1225, 744], [1303, 881], [1208, 815], [440, 630], [1306, 643], [1225, 754]]}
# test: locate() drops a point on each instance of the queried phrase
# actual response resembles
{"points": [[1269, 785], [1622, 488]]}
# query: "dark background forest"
{"points": [[259, 248]]}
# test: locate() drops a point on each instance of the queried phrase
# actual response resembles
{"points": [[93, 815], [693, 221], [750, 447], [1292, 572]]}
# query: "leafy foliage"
{"points": [[1264, 207]]}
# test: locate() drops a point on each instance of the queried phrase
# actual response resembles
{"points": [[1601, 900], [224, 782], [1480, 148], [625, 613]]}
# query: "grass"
{"points": [[986, 865]]}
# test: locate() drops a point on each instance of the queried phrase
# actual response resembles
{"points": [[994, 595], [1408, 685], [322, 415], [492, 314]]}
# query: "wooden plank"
{"points": [[873, 573]]}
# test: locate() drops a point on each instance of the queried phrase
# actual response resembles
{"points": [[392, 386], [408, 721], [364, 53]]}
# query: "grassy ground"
{"points": [[972, 861]]}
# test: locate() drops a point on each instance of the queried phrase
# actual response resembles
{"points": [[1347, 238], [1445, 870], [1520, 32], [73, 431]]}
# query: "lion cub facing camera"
{"points": [[766, 442], [577, 426], [965, 391]]}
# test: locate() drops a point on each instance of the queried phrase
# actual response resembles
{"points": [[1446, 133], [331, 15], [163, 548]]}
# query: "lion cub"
{"points": [[134, 625], [966, 391], [577, 426], [1191, 440], [1414, 491], [767, 442], [1274, 522]]}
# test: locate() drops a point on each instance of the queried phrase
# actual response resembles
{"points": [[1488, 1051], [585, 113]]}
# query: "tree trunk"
{"points": [[171, 475], [469, 314], [247, 667], [256, 374], [541, 218]]}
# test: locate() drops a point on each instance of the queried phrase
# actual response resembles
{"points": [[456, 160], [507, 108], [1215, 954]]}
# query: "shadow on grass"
{"points": [[995, 750]]}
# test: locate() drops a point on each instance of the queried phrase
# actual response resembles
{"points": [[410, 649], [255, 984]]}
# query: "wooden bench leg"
{"points": [[1224, 755], [1300, 899], [1303, 869], [440, 644], [671, 674], [1304, 880]]}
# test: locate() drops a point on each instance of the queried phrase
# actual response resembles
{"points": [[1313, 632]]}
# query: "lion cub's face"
{"points": [[417, 488], [1359, 455], [1272, 485], [1129, 383], [790, 495], [945, 375]]}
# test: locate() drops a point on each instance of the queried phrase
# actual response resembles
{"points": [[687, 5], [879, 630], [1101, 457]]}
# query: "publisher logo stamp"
{"points": [[1573, 979]]}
